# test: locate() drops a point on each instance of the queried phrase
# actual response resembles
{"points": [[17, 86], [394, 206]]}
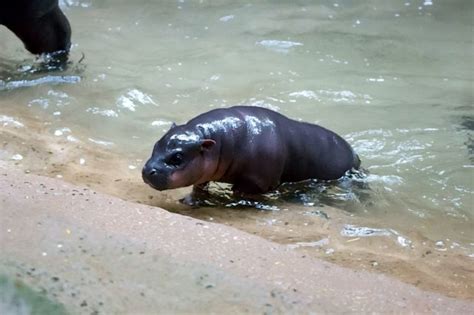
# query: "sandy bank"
{"points": [[94, 252]]}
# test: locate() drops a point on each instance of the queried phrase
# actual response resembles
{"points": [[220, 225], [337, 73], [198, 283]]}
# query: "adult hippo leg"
{"points": [[48, 33]]}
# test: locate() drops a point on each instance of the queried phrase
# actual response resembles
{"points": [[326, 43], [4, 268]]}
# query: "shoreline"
{"points": [[161, 260], [448, 273]]}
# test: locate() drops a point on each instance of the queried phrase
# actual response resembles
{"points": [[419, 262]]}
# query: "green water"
{"points": [[17, 298]]}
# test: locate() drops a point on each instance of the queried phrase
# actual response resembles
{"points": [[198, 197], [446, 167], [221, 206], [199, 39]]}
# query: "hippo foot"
{"points": [[190, 200], [54, 61], [197, 197]]}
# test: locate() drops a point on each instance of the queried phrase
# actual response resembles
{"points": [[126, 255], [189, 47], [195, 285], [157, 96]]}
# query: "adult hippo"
{"points": [[253, 148], [40, 24]]}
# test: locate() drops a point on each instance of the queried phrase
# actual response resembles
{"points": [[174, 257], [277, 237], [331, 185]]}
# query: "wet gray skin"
{"points": [[253, 148]]}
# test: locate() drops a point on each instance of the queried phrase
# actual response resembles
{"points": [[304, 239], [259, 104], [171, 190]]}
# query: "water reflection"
{"points": [[50, 79], [47, 69]]}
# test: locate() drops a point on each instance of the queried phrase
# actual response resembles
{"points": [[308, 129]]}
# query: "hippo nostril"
{"points": [[152, 172]]}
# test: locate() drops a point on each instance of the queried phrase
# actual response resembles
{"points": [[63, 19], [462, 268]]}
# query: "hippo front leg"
{"points": [[200, 189]]}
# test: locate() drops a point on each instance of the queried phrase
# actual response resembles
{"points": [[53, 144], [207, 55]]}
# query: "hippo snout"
{"points": [[148, 172], [154, 177]]}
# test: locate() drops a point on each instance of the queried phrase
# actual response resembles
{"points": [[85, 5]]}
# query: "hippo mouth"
{"points": [[158, 186], [154, 186], [155, 183]]}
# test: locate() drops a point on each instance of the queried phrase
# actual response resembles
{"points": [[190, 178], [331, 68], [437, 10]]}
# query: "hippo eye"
{"points": [[176, 159]]}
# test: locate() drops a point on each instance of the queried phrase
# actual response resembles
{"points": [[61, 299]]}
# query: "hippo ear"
{"points": [[173, 125], [207, 144]]}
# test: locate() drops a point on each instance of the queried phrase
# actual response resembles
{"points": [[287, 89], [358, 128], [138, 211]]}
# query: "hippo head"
{"points": [[180, 158]]}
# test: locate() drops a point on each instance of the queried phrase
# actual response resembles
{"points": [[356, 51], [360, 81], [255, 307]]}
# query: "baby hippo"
{"points": [[253, 148]]}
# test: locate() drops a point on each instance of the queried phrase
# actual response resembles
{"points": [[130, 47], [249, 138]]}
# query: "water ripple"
{"points": [[281, 46], [50, 79], [10, 121], [132, 98], [360, 231]]}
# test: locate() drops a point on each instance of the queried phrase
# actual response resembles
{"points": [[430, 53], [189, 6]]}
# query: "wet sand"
{"points": [[96, 253]]}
